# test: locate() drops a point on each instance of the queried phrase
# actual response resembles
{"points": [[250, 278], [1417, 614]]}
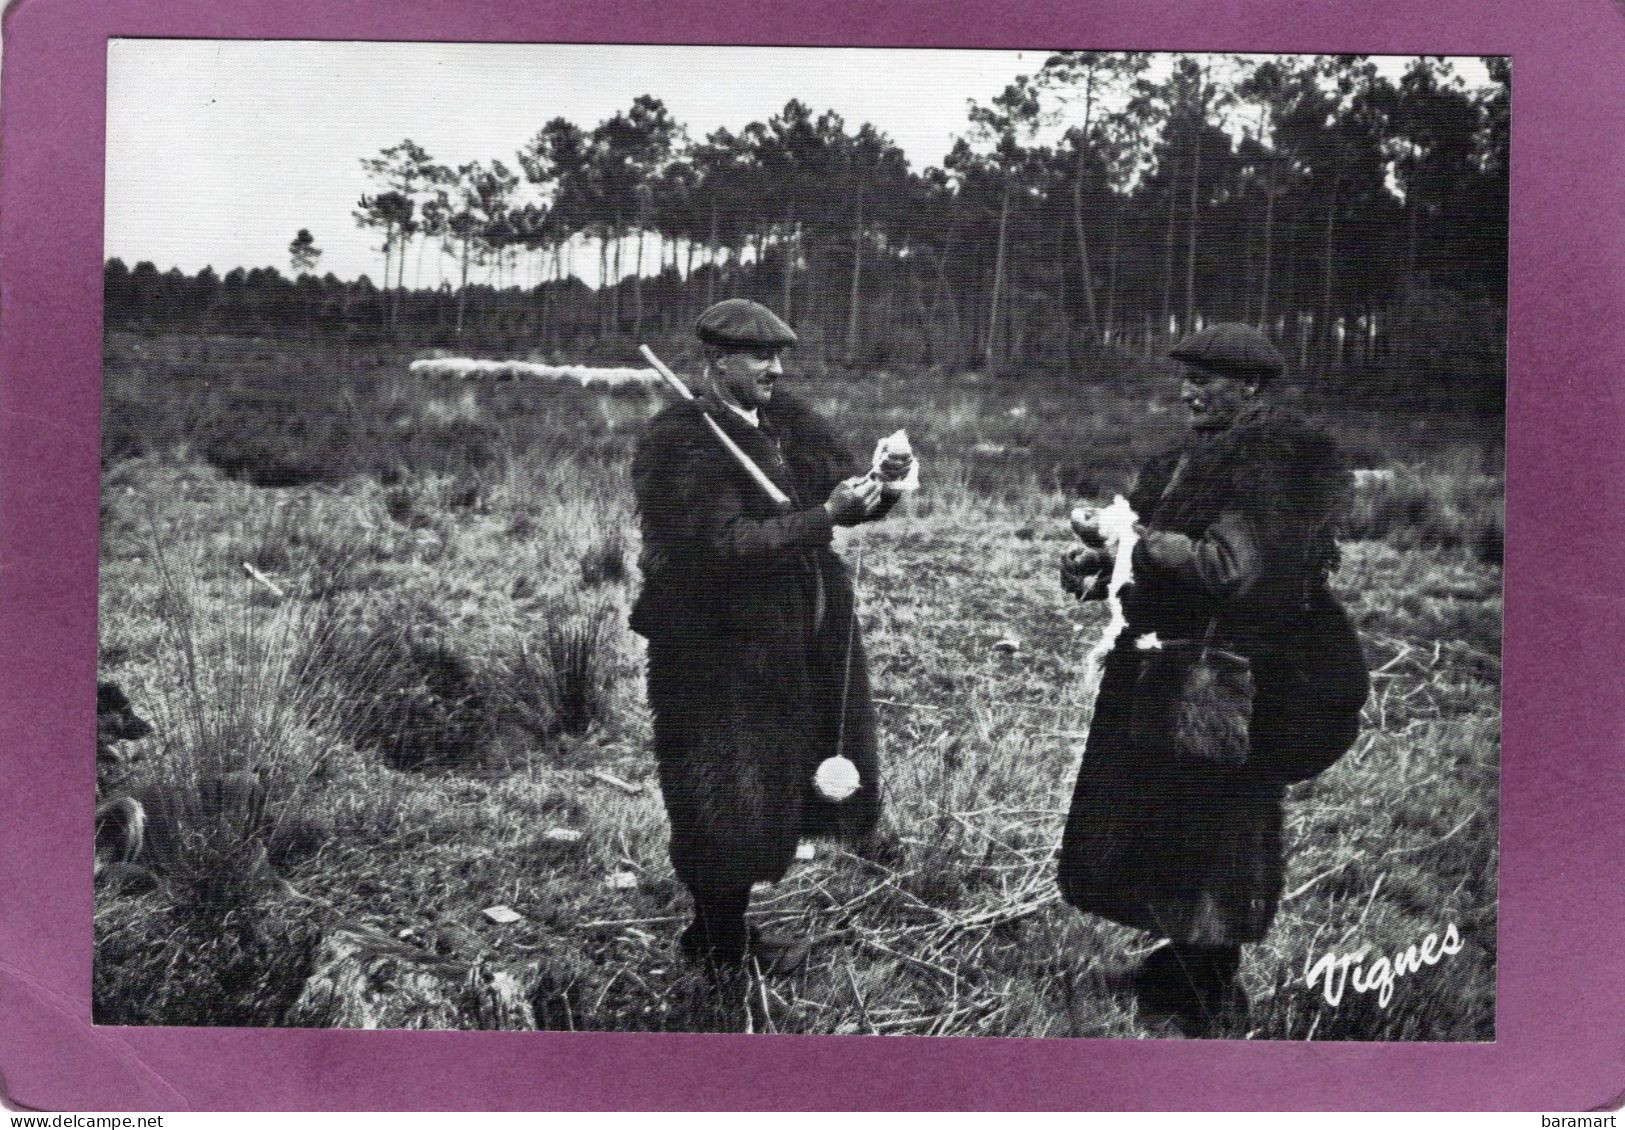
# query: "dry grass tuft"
{"points": [[408, 691], [566, 669], [605, 561]]}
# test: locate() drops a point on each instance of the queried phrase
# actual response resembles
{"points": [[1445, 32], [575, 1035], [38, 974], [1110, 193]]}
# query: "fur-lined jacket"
{"points": [[752, 641], [1240, 535]]}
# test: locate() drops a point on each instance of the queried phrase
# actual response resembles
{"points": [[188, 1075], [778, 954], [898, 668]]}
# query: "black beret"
{"points": [[1233, 350], [739, 323]]}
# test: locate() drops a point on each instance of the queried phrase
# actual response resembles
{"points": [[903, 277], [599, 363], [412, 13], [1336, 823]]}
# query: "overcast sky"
{"points": [[218, 151]]}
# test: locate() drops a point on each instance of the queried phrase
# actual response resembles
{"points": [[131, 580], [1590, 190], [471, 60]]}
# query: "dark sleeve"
{"points": [[1149, 482], [693, 499], [732, 535], [818, 454], [1224, 561]]}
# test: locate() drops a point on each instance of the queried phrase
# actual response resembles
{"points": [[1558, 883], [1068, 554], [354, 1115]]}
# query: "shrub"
{"points": [[407, 692], [401, 506], [1434, 508], [1490, 545], [241, 733], [566, 671], [605, 561], [272, 461], [173, 966], [464, 492], [241, 738], [411, 692]]}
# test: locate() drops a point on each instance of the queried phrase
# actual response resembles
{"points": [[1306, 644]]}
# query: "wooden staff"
{"points": [[769, 487]]}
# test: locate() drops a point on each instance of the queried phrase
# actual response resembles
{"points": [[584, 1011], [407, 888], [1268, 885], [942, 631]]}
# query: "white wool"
{"points": [[471, 368], [1117, 527], [836, 779], [897, 444]]}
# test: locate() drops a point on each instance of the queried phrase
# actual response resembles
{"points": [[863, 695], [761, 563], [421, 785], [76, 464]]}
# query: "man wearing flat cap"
{"points": [[756, 666], [1238, 526]]}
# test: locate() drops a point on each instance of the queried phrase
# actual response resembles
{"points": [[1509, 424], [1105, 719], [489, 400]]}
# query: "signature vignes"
{"points": [[1338, 973]]}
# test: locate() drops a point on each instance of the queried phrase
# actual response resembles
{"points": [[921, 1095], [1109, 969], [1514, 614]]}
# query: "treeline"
{"points": [[1106, 202]]}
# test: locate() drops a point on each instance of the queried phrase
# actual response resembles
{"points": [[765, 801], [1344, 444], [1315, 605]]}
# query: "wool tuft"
{"points": [[1117, 527]]}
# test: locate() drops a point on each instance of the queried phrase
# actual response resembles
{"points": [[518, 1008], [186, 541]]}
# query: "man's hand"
{"points": [[1086, 524], [853, 500], [895, 467], [1081, 567]]}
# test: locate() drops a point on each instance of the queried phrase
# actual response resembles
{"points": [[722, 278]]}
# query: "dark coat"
{"points": [[1245, 531], [749, 613]]}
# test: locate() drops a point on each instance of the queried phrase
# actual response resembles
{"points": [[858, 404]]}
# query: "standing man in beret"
{"points": [[756, 667], [1238, 542]]}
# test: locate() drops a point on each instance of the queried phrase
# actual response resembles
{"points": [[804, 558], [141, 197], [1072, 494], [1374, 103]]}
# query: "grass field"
{"points": [[447, 692]]}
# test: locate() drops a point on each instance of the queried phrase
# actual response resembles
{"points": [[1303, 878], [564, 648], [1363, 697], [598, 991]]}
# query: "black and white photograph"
{"points": [[801, 540]]}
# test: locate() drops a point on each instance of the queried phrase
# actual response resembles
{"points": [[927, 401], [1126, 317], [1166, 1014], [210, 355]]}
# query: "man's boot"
{"points": [[1215, 1004], [1195, 987], [718, 937]]}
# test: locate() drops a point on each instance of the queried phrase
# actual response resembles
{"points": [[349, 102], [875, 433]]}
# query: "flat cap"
{"points": [[739, 323], [1233, 350]]}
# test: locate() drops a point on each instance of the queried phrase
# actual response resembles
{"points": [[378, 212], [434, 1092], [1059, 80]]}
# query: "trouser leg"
{"points": [[718, 934], [1196, 985]]}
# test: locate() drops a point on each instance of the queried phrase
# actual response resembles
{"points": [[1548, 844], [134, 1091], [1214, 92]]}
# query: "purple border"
{"points": [[1562, 976]]}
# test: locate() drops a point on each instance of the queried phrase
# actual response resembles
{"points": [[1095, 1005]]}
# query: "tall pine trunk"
{"points": [[560, 291], [990, 345], [1269, 245], [1327, 337], [1111, 271], [716, 258], [688, 277], [1168, 251], [1061, 319], [462, 290], [1190, 247], [546, 294], [603, 282], [788, 244], [637, 289], [1077, 207], [944, 294], [389, 261], [392, 285], [857, 274], [1083, 251], [615, 293]]}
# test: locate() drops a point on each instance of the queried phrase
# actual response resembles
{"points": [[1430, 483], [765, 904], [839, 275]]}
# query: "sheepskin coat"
{"points": [[749, 617], [1241, 526]]}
